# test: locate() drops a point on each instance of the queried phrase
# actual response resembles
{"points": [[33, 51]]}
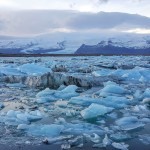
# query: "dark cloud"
{"points": [[103, 1], [108, 20], [36, 22]]}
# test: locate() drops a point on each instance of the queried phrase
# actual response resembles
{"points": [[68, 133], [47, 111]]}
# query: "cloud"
{"points": [[103, 1], [45, 21]]}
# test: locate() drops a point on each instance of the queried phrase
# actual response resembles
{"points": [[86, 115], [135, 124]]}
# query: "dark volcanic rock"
{"points": [[111, 50]]}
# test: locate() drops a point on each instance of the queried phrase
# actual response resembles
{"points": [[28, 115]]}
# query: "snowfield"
{"points": [[72, 101]]}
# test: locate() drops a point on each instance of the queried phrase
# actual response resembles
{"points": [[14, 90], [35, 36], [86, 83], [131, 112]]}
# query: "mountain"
{"points": [[61, 43], [77, 43], [128, 45]]}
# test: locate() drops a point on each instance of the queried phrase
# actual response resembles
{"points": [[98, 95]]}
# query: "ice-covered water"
{"points": [[71, 100]]}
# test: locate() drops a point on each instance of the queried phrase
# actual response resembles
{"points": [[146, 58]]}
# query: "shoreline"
{"points": [[63, 55]]}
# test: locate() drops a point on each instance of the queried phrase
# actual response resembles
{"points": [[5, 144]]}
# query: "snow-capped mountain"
{"points": [[77, 43], [61, 43], [137, 45]]}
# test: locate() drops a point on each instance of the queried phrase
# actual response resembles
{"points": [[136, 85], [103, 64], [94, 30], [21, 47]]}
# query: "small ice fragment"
{"points": [[119, 137], [78, 141], [120, 146], [106, 140], [65, 146], [22, 127], [60, 121]]}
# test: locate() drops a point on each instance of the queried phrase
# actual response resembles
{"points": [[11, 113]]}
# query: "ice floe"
{"points": [[95, 110], [17, 117], [33, 69], [48, 95]]}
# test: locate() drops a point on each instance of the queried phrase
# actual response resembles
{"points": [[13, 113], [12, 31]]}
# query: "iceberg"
{"points": [[121, 146], [52, 130], [17, 117], [109, 101], [111, 89], [33, 69], [95, 110], [146, 94], [48, 95]]}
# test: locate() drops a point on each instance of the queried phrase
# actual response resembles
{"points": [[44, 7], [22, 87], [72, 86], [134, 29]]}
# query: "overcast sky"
{"points": [[32, 17]]}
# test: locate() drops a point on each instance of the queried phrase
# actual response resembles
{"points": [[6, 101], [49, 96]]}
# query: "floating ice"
{"points": [[109, 101], [95, 110], [78, 141], [119, 137], [33, 69], [16, 85], [51, 140], [9, 70], [52, 130], [106, 141], [94, 138], [68, 92], [135, 74], [146, 94], [129, 123], [16, 117], [121, 146], [45, 93], [48, 95], [32, 116], [146, 101], [112, 89], [103, 72], [22, 127], [82, 128]]}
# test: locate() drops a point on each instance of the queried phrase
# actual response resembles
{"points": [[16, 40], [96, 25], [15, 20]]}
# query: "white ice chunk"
{"points": [[121, 146], [111, 89], [95, 110], [52, 130], [45, 93], [33, 69], [12, 113], [68, 92], [48, 95], [22, 127], [146, 94], [106, 140]]}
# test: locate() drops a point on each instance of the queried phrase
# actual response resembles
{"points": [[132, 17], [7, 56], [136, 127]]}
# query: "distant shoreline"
{"points": [[64, 55]]}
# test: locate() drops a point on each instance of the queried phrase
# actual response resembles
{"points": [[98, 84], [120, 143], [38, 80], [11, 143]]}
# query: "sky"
{"points": [[33, 17]]}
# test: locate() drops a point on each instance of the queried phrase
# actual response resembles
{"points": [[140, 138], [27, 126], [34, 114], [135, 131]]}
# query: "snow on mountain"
{"points": [[69, 43], [45, 44], [127, 44]]}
